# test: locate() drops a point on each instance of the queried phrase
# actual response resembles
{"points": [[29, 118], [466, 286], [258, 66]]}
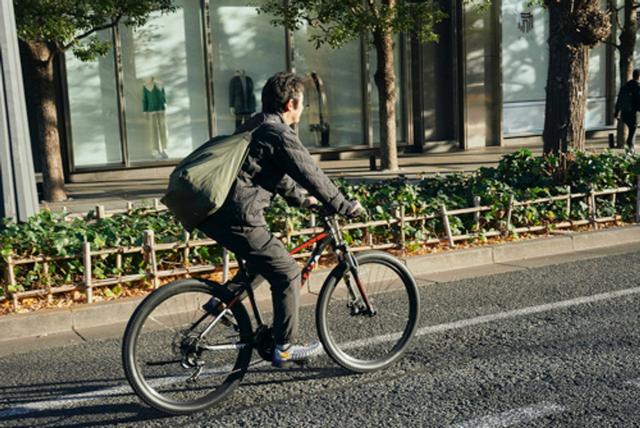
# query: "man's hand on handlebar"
{"points": [[310, 201], [355, 207], [355, 210]]}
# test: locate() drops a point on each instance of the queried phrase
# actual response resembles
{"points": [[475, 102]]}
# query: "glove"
{"points": [[309, 202], [355, 209]]}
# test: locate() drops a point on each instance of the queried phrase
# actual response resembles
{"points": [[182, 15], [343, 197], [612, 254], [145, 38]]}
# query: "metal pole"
{"points": [[19, 193]]}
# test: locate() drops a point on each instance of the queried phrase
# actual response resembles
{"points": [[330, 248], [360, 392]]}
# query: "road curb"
{"points": [[56, 321]]}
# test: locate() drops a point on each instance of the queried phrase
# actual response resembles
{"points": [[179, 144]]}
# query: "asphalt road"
{"points": [[557, 345]]}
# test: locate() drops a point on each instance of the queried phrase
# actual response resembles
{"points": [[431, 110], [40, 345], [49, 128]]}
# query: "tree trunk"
{"points": [[626, 49], [385, 78], [566, 87], [49, 140], [574, 27]]}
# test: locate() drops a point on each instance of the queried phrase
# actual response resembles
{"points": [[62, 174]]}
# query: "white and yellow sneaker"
{"points": [[285, 355]]}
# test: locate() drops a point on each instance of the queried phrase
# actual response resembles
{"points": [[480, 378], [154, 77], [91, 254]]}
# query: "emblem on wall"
{"points": [[525, 22]]}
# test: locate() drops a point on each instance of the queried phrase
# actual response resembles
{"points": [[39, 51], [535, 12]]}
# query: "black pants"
{"points": [[629, 119], [267, 257]]}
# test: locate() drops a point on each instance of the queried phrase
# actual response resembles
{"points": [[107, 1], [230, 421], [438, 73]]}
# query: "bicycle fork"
{"points": [[357, 293]]}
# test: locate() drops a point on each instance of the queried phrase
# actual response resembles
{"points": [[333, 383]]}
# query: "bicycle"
{"points": [[181, 359]]}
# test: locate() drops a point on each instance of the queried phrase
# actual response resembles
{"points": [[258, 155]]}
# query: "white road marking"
{"points": [[514, 416], [92, 395], [497, 316], [634, 382]]}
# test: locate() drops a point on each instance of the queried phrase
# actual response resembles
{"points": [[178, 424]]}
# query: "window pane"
{"points": [[93, 107], [247, 50], [333, 101], [525, 62], [164, 84]]}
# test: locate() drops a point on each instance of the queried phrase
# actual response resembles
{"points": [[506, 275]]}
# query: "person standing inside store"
{"points": [[627, 106]]}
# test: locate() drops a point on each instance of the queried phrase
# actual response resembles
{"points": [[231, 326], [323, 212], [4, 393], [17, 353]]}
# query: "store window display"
{"points": [[164, 80], [154, 101], [242, 100], [247, 50], [315, 113]]}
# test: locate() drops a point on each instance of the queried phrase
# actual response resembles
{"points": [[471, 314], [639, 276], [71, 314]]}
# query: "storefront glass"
{"points": [[525, 61], [164, 81], [93, 108], [247, 50], [333, 104]]}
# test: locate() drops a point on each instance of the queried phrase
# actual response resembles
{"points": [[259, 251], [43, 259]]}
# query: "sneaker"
{"points": [[285, 355]]}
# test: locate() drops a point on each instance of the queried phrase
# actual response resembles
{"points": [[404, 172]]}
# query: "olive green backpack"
{"points": [[199, 185]]}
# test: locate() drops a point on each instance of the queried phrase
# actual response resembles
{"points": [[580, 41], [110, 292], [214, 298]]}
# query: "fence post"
{"points": [[11, 279], [129, 207], [225, 265], [507, 232], [592, 209], [638, 199], [100, 212], [402, 231], [476, 215], [119, 265], [186, 251], [45, 274], [156, 204], [149, 248], [86, 258], [568, 202], [447, 226]]}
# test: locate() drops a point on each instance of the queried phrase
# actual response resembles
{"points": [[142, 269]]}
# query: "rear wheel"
{"points": [[168, 365], [356, 339]]}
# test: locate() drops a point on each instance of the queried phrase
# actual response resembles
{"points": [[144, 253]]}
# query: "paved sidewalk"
{"points": [[49, 328], [116, 194]]}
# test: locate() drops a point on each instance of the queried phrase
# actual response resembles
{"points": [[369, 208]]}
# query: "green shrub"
{"points": [[520, 175]]}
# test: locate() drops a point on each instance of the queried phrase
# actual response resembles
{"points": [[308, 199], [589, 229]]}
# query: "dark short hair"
{"points": [[279, 89], [636, 74]]}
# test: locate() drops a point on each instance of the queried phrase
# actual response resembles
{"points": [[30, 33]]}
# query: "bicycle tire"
{"points": [[338, 327], [167, 375]]}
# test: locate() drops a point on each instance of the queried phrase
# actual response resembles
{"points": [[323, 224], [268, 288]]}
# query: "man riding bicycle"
{"points": [[277, 163]]}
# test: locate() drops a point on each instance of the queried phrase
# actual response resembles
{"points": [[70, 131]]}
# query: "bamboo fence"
{"points": [[150, 248]]}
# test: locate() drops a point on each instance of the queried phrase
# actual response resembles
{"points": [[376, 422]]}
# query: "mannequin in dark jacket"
{"points": [[277, 163], [242, 101], [627, 106]]}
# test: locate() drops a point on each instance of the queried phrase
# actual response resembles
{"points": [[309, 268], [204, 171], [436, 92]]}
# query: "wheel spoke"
{"points": [[166, 362]]}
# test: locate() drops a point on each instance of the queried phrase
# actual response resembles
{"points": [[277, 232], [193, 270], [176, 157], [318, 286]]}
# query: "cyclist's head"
{"points": [[284, 93]]}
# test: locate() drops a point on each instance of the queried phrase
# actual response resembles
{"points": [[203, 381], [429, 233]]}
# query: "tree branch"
{"points": [[372, 7], [90, 32], [607, 42]]}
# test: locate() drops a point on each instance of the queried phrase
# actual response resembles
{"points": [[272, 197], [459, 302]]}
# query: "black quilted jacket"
{"points": [[277, 160]]}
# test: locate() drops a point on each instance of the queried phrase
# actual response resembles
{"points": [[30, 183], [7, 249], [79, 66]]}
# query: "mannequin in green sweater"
{"points": [[154, 102]]}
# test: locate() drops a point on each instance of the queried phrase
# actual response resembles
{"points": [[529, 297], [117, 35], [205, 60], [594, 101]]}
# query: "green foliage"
{"points": [[338, 22], [520, 175], [64, 23]]}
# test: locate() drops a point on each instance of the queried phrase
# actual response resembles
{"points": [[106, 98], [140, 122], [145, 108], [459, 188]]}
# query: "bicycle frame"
{"points": [[331, 236]]}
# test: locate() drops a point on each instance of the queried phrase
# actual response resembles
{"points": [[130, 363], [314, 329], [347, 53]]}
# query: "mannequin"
{"points": [[316, 99], [242, 100], [154, 102]]}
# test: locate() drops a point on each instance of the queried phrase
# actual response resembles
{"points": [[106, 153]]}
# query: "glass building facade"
{"points": [[525, 53], [183, 77], [168, 86]]}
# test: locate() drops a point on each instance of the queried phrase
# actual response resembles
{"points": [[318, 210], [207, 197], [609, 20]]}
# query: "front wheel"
{"points": [[169, 363], [361, 340]]}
